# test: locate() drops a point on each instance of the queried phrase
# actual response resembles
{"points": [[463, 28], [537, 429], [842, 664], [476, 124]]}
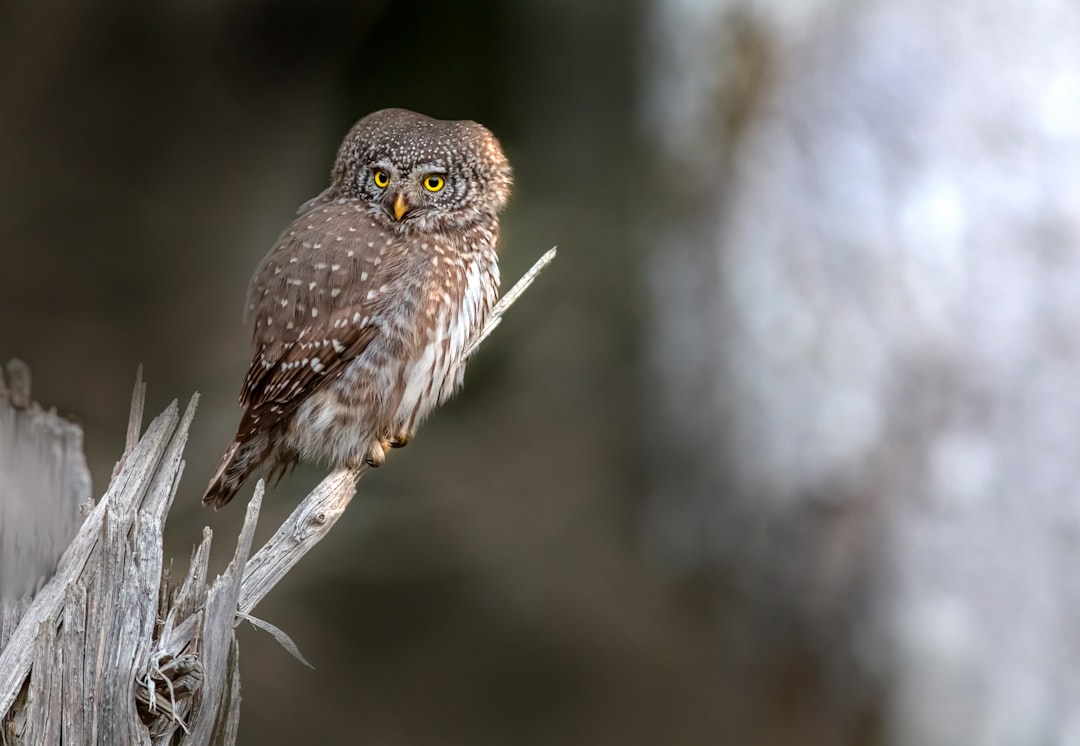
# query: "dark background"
{"points": [[489, 585]]}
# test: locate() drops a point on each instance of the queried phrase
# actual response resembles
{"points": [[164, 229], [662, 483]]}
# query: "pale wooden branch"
{"points": [[111, 649], [303, 529], [504, 303]]}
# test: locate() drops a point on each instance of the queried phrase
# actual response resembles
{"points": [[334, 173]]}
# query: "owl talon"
{"points": [[400, 440], [376, 454]]}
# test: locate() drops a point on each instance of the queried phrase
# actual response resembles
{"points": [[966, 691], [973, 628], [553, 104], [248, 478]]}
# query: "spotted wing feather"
{"points": [[312, 310]]}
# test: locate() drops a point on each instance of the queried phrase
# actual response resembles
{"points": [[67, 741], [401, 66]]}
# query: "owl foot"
{"points": [[376, 454], [400, 440]]}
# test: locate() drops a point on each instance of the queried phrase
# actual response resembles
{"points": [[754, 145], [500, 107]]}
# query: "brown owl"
{"points": [[364, 306]]}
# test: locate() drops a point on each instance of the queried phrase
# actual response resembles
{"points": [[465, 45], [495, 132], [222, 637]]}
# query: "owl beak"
{"points": [[400, 206]]}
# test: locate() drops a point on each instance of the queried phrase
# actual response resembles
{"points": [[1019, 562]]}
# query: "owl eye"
{"points": [[434, 182], [381, 178]]}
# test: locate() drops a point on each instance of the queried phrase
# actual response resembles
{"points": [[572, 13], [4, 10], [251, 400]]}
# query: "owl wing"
{"points": [[313, 300]]}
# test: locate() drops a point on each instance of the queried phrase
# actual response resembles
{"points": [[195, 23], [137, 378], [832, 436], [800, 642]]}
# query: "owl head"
{"points": [[416, 173]]}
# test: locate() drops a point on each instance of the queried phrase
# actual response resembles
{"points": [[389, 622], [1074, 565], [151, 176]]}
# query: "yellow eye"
{"points": [[381, 178], [434, 182]]}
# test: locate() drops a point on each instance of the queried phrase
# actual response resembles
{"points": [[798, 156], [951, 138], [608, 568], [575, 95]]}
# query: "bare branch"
{"points": [[504, 303], [282, 638], [303, 529]]}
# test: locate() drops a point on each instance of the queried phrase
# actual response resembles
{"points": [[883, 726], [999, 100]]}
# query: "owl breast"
{"points": [[457, 303]]}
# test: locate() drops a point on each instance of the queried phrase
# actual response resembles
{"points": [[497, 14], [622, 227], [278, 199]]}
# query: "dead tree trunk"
{"points": [[865, 327], [112, 650], [44, 482]]}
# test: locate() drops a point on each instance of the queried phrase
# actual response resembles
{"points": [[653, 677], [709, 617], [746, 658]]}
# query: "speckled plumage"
{"points": [[364, 306]]}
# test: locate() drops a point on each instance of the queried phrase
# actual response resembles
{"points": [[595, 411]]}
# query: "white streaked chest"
{"points": [[431, 377]]}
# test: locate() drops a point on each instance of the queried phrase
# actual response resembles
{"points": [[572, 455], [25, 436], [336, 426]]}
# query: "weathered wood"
{"points": [[110, 650], [134, 476], [301, 531], [43, 720], [75, 704], [218, 620], [18, 377], [228, 722], [135, 417], [44, 481]]}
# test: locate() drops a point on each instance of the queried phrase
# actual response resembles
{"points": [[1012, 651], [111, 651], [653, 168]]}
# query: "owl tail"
{"points": [[240, 459]]}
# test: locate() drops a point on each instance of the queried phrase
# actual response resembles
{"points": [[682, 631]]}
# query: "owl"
{"points": [[364, 307]]}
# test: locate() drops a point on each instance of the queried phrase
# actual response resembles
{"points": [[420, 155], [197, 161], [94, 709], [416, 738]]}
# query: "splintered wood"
{"points": [[43, 483]]}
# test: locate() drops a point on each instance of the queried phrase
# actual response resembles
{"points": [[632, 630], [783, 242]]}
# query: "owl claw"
{"points": [[400, 440], [376, 454]]}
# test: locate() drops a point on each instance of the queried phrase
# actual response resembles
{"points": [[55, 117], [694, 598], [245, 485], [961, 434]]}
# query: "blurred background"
{"points": [[781, 450]]}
